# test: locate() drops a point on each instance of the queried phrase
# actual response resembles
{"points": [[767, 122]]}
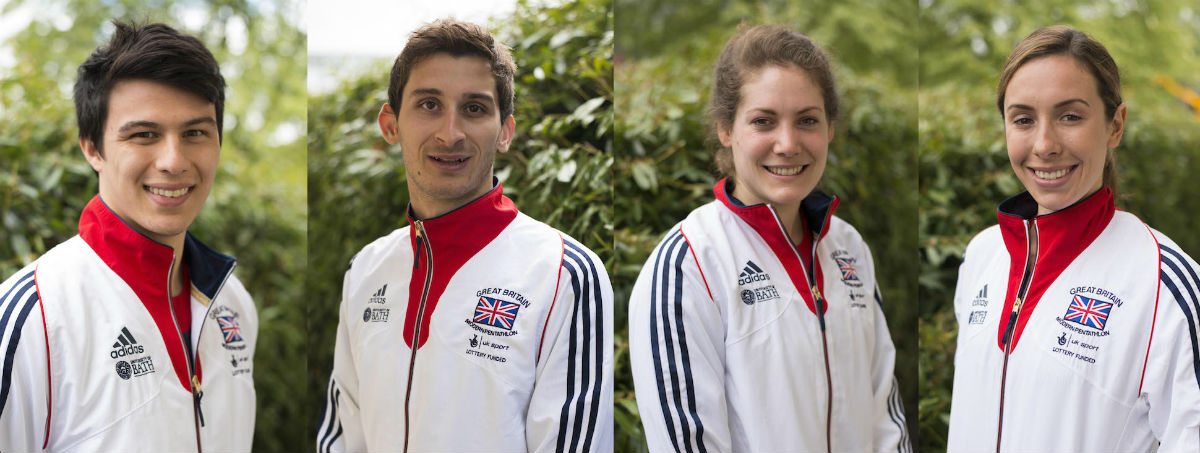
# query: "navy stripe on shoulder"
{"points": [[18, 300], [1173, 276], [594, 270], [327, 434], [666, 309], [588, 316]]}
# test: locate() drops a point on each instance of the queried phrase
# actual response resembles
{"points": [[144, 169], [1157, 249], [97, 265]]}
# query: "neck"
{"points": [[176, 278], [792, 222]]}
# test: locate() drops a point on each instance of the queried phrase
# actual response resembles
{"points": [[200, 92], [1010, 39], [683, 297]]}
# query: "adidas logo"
{"points": [[378, 297], [125, 345], [981, 298], [752, 273]]}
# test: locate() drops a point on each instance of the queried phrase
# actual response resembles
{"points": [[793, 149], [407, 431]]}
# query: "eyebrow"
{"points": [[479, 96], [153, 125], [802, 111], [1060, 104]]}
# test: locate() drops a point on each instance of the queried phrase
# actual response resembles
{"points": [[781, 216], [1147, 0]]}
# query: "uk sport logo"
{"points": [[1088, 312], [496, 312]]}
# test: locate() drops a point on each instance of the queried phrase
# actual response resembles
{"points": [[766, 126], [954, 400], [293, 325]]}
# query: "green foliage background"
{"points": [[557, 169], [666, 52], [257, 209], [964, 168]]}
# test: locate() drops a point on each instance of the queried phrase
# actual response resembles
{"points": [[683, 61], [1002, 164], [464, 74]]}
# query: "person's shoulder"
{"points": [[19, 282], [383, 247], [988, 238]]}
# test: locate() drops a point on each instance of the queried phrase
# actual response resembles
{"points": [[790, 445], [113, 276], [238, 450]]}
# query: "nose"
{"points": [[1045, 142], [170, 158], [450, 133], [788, 141]]}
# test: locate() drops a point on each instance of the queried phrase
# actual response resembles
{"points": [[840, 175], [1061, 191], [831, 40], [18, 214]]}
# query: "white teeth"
{"points": [[459, 160], [1052, 174], [169, 193], [786, 171]]}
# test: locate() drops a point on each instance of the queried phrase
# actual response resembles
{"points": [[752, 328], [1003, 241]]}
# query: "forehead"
{"points": [[147, 100], [1051, 79], [780, 87], [452, 75]]}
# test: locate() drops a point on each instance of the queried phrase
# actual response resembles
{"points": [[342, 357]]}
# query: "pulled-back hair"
{"points": [[752, 49], [1089, 53]]}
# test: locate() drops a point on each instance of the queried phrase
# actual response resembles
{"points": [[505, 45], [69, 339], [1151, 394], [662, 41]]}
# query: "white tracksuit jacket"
{"points": [[513, 327], [729, 353], [87, 367], [1103, 352]]}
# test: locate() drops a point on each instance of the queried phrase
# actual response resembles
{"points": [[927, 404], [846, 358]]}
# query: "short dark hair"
{"points": [[457, 39], [753, 48], [154, 52]]}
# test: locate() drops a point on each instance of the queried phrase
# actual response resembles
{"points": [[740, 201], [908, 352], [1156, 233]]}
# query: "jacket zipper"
{"points": [[820, 304], [197, 393], [1009, 330], [197, 413], [422, 242]]}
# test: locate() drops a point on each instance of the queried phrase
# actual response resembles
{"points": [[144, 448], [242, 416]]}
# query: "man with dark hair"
{"points": [[133, 335], [475, 327]]}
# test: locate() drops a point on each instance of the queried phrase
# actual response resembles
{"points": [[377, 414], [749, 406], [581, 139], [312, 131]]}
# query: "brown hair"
{"points": [[752, 49], [457, 39], [1064, 40]]}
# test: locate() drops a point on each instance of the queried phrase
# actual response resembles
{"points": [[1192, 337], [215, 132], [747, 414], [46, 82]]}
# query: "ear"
{"points": [[387, 124], [506, 134], [1117, 127], [92, 154], [724, 136], [830, 132]]}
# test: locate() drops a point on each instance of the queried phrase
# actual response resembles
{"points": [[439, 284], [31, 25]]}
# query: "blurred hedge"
{"points": [[964, 168], [666, 52], [557, 170], [256, 211]]}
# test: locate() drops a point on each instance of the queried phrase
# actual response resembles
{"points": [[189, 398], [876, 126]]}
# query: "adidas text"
{"points": [[753, 278], [128, 350]]}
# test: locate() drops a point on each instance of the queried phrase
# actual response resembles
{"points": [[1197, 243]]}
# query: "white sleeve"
{"points": [[677, 353], [1172, 373], [24, 377], [341, 429], [891, 432], [571, 408]]}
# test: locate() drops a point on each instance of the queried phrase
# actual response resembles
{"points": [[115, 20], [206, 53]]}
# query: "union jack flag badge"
{"points": [[1088, 312], [846, 265], [230, 329], [496, 312]]}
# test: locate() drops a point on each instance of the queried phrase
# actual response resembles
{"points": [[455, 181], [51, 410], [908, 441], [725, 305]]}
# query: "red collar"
{"points": [[453, 238], [1062, 236], [817, 209], [145, 266]]}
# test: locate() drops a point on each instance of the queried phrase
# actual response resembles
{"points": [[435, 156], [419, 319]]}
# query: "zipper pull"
{"points": [[816, 293], [420, 243], [199, 395], [1012, 321]]}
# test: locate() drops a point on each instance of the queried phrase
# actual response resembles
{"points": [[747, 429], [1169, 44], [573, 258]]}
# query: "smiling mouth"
{"points": [[168, 193], [1052, 175], [786, 171], [450, 161]]}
